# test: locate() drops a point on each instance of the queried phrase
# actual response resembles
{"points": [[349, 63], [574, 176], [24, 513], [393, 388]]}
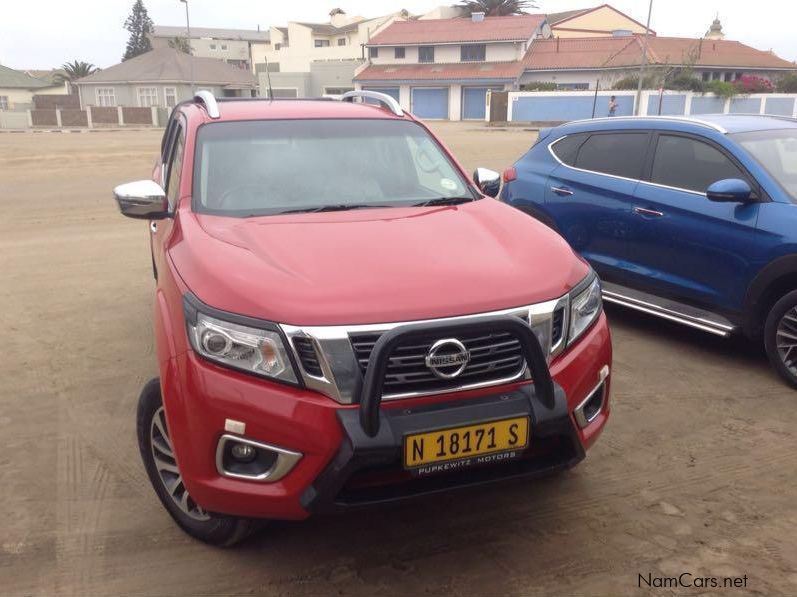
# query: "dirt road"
{"points": [[695, 473]]}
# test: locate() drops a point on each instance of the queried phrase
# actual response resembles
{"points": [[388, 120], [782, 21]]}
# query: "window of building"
{"points": [[337, 90], [727, 77], [618, 154], [321, 43], [106, 97], [3, 102], [342, 41], [473, 53], [147, 96], [170, 96], [373, 52], [398, 53], [212, 46], [737, 76], [426, 54], [706, 76], [223, 46], [690, 164]]}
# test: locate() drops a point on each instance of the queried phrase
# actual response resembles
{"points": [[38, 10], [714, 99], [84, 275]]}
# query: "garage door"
{"points": [[391, 91], [430, 102], [473, 102]]}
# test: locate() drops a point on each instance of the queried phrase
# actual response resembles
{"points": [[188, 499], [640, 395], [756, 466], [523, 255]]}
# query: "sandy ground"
{"points": [[695, 473]]}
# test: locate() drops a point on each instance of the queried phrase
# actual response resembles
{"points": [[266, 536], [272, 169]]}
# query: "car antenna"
{"points": [[268, 76]]}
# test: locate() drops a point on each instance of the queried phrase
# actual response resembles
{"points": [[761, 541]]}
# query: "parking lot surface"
{"points": [[696, 472]]}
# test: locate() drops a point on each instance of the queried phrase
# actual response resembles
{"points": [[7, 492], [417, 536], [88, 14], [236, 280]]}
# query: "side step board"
{"points": [[667, 309]]}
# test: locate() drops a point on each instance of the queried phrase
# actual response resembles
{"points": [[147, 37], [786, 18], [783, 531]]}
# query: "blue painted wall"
{"points": [[562, 108], [671, 105], [707, 105], [745, 105], [780, 106]]}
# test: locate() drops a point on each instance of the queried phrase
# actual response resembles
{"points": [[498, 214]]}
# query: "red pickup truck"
{"points": [[344, 318]]}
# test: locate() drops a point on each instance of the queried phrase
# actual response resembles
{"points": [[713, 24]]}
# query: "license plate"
{"points": [[469, 442]]}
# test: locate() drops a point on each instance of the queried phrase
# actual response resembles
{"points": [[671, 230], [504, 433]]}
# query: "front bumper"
{"points": [[341, 465]]}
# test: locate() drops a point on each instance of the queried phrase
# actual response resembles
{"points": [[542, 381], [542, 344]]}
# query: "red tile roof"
{"points": [[441, 72], [592, 52], [441, 31], [614, 52], [678, 50]]}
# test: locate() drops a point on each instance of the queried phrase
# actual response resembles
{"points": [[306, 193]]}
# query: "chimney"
{"points": [[557, 44], [477, 17]]}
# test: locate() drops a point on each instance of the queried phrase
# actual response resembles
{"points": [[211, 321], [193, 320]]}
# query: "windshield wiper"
{"points": [[333, 207], [444, 201]]}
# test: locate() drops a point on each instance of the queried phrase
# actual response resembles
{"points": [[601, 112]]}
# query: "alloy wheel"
{"points": [[166, 465], [786, 340]]}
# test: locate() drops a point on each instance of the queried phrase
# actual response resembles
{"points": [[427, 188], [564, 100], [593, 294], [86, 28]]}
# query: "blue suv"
{"points": [[692, 220]]}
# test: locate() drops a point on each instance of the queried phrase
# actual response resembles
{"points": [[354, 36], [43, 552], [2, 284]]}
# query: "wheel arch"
{"points": [[774, 281]]}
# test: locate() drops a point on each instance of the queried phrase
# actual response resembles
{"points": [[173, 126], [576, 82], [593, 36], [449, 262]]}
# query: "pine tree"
{"points": [[138, 24]]}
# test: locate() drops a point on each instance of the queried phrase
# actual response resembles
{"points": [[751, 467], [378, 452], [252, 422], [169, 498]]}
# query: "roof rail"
{"points": [[686, 118], [387, 101], [209, 100]]}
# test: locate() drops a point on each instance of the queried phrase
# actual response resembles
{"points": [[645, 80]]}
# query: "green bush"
{"points": [[787, 84], [684, 82], [721, 88], [631, 81], [539, 86]]}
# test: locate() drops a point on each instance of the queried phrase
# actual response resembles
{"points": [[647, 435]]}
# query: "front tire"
{"points": [[780, 337], [155, 445]]}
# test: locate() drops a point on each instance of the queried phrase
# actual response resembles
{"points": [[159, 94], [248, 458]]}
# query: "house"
{"points": [[598, 21], [443, 68], [233, 46], [17, 89], [57, 84], [163, 78], [581, 63], [314, 59]]}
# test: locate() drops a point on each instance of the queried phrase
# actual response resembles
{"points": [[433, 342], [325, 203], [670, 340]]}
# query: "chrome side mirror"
{"points": [[488, 181], [143, 199]]}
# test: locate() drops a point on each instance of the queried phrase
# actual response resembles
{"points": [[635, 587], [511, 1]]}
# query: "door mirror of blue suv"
{"points": [[488, 181], [730, 190]]}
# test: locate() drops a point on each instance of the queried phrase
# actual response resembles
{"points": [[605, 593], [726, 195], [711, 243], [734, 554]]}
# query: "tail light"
{"points": [[509, 175]]}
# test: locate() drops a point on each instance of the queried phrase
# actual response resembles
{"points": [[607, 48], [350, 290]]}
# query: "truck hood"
{"points": [[373, 265]]}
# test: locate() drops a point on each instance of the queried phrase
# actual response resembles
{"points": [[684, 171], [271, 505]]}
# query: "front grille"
{"points": [[493, 357], [557, 325], [307, 355]]}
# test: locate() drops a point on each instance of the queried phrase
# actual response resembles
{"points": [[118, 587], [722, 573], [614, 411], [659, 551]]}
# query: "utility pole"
{"points": [[190, 50], [644, 63]]}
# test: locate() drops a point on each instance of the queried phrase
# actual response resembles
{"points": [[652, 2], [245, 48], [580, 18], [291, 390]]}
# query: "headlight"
{"points": [[584, 309], [249, 349]]}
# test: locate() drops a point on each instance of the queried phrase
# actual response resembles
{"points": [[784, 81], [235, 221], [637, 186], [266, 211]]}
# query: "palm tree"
{"points": [[76, 70], [496, 8]]}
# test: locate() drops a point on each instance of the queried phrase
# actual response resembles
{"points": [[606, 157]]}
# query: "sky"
{"points": [[44, 34]]}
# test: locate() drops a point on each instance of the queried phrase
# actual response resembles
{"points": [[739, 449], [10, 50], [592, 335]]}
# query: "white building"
{"points": [[443, 68]]}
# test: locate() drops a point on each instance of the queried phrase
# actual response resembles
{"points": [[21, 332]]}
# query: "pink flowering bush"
{"points": [[753, 84]]}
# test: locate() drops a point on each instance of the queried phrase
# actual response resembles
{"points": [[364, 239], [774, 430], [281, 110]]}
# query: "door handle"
{"points": [[562, 191], [642, 211], [153, 226]]}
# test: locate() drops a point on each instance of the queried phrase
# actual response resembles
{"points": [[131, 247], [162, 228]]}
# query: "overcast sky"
{"points": [[46, 33]]}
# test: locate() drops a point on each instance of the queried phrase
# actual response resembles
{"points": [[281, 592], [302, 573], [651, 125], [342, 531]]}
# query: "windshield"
{"points": [[776, 151], [277, 166]]}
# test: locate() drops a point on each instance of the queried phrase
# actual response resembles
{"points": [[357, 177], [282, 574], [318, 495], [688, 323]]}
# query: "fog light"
{"points": [[243, 452]]}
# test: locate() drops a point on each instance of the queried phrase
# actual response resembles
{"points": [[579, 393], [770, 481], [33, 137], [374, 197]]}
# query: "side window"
{"points": [[175, 167], [690, 164], [566, 148], [619, 154]]}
